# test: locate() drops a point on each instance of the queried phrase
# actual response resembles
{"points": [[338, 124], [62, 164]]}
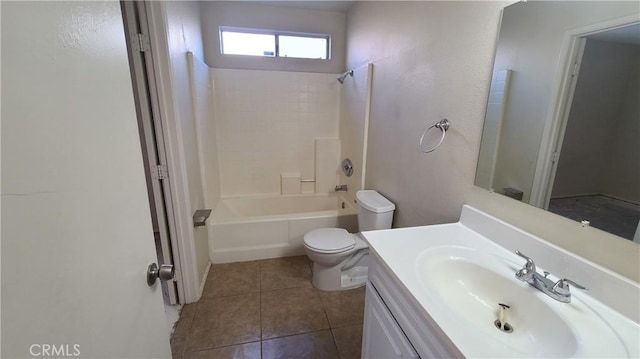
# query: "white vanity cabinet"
{"points": [[382, 337], [394, 325]]}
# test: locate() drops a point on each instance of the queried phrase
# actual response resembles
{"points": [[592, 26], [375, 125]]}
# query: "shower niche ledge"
{"points": [[451, 290]]}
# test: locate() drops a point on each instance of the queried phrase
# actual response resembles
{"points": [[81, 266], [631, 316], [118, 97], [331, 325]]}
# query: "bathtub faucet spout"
{"points": [[341, 187]]}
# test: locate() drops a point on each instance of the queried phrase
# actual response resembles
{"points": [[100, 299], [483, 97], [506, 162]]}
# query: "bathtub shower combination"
{"points": [[252, 228], [266, 197]]}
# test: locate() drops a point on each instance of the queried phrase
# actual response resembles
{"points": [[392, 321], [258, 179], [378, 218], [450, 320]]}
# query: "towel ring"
{"points": [[443, 126]]}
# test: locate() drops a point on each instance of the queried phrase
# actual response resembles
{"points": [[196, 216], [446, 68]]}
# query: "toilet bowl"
{"points": [[340, 259]]}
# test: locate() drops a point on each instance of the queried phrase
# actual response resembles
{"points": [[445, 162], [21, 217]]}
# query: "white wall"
{"points": [[183, 35], [231, 13], [593, 153], [433, 60], [267, 122], [623, 169], [531, 38], [353, 122]]}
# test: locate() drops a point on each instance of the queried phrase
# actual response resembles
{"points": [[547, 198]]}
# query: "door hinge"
{"points": [[159, 172], [576, 67], [141, 43], [554, 157]]}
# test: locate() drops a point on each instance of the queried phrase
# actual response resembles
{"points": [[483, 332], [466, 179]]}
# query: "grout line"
{"points": [[324, 310], [286, 288], [347, 325], [224, 346], [293, 335], [229, 295], [335, 343]]}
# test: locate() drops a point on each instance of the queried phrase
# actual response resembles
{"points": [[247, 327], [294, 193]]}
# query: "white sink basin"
{"points": [[468, 285]]}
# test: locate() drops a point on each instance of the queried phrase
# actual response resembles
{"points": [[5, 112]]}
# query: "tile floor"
{"points": [[608, 214], [269, 309]]}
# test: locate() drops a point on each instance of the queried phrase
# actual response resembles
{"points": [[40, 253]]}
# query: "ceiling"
{"points": [[336, 6]]}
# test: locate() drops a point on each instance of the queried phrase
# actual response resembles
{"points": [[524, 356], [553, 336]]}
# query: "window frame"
{"points": [[276, 34]]}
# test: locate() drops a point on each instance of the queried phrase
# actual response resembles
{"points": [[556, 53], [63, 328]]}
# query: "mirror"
{"points": [[562, 127]]}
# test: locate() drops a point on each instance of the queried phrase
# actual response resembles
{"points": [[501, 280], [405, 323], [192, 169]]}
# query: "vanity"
{"points": [[482, 287], [460, 290]]}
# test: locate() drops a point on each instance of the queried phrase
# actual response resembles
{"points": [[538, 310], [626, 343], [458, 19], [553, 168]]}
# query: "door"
{"points": [[76, 228]]}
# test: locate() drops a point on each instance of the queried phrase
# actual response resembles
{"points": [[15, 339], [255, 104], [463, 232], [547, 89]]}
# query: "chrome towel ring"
{"points": [[442, 125]]}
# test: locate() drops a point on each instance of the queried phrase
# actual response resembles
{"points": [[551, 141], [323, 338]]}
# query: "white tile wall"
{"points": [[267, 122], [327, 164], [307, 187]]}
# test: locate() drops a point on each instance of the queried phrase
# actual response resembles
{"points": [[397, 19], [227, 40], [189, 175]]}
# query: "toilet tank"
{"points": [[374, 211]]}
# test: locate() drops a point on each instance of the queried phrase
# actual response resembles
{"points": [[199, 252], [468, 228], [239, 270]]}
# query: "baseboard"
{"points": [[203, 281]]}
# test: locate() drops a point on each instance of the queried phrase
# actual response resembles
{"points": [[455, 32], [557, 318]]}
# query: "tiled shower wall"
{"points": [[267, 123]]}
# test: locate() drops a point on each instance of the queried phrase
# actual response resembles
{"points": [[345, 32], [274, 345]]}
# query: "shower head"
{"points": [[344, 76]]}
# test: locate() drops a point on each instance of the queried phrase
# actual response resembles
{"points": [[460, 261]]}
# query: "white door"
{"points": [[76, 229]]}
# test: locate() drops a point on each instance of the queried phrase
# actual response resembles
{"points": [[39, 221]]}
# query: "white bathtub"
{"points": [[251, 228]]}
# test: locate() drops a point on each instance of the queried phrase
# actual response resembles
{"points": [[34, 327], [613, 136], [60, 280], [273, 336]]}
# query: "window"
{"points": [[240, 43], [254, 42]]}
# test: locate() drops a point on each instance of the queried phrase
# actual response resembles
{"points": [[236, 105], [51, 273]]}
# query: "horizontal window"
{"points": [[254, 42]]}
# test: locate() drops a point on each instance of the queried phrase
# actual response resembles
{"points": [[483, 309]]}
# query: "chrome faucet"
{"points": [[558, 290], [341, 187]]}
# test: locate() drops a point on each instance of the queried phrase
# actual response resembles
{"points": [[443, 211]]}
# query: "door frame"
{"points": [[558, 112], [172, 134], [152, 140]]}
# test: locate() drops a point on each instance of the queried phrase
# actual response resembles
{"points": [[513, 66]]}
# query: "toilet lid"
{"points": [[329, 240]]}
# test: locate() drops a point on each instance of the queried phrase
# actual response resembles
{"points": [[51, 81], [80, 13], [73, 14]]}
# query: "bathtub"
{"points": [[250, 228]]}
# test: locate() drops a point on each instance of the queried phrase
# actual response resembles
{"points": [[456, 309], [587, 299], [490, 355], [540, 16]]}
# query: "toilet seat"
{"points": [[329, 240]]}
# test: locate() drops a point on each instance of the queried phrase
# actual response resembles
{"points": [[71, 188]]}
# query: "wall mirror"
{"points": [[562, 127]]}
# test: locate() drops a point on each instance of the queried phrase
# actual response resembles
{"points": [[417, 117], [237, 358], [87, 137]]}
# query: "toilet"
{"points": [[340, 259]]}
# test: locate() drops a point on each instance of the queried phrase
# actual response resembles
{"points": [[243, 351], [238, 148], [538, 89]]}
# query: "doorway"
{"points": [[595, 161]]}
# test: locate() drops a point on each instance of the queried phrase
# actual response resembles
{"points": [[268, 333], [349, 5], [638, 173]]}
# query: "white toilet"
{"points": [[340, 259]]}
